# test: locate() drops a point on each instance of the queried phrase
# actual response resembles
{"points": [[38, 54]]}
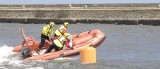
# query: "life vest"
{"points": [[47, 30], [60, 41], [58, 32]]}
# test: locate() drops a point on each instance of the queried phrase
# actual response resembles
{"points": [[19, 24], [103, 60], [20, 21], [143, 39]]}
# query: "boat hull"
{"points": [[89, 38]]}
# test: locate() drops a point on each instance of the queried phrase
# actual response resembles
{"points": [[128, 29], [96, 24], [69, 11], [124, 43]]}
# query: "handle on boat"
{"points": [[90, 45], [61, 54]]}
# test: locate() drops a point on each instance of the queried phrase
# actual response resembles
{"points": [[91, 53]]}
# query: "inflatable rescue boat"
{"points": [[93, 38]]}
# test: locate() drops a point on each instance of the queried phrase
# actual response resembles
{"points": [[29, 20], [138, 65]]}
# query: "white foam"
{"points": [[36, 68], [63, 58], [6, 54]]}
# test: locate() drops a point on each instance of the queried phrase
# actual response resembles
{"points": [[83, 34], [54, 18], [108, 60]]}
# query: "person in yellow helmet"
{"points": [[47, 31], [62, 29], [60, 42]]}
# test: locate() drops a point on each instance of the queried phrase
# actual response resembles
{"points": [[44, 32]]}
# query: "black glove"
{"points": [[51, 39], [72, 48]]}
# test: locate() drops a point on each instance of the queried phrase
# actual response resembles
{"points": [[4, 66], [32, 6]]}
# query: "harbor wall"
{"points": [[147, 14]]}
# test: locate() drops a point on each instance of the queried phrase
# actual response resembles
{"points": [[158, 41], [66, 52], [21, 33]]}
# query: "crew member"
{"points": [[47, 31], [60, 42], [62, 29]]}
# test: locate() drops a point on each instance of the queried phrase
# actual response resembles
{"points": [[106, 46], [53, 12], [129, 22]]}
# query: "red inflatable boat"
{"points": [[92, 37]]}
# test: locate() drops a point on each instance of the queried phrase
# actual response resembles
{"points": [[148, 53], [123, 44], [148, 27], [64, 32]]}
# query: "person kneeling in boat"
{"points": [[59, 42], [62, 29]]}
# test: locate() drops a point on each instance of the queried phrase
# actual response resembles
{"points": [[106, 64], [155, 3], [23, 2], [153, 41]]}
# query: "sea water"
{"points": [[125, 47]]}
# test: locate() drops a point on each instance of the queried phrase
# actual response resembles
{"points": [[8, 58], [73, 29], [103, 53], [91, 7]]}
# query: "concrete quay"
{"points": [[147, 14]]}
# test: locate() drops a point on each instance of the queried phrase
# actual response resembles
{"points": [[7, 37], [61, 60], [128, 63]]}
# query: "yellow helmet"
{"points": [[66, 35], [66, 24], [51, 24]]}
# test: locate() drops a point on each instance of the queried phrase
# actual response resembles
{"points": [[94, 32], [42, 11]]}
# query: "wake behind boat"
{"points": [[89, 38]]}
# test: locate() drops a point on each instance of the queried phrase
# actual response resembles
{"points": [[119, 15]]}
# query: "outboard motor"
{"points": [[25, 52]]}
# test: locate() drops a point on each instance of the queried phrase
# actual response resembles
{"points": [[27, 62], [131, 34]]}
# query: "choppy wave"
{"points": [[8, 57], [12, 60]]}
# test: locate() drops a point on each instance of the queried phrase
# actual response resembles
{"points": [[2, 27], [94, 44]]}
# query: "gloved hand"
{"points": [[73, 48], [51, 39]]}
